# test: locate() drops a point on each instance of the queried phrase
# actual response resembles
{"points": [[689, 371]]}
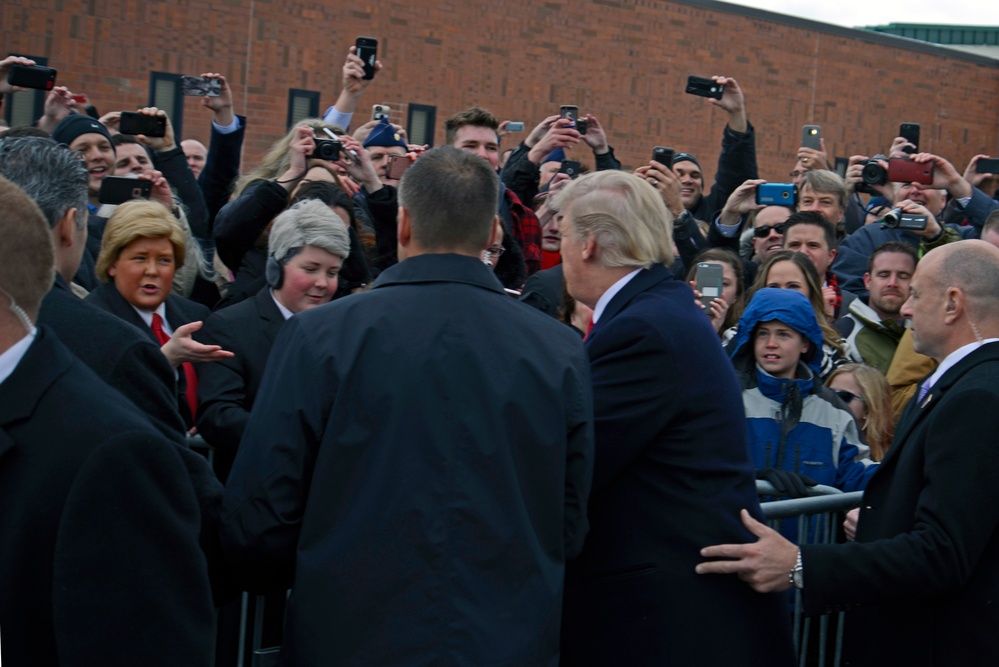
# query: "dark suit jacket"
{"points": [[221, 169], [121, 354], [228, 388], [671, 474], [99, 554], [179, 311], [922, 578], [418, 460]]}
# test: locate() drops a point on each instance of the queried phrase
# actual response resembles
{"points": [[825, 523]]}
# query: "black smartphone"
{"points": [[569, 111], [32, 76], [910, 132], [811, 137], [139, 123], [397, 166], [367, 51], [776, 194], [119, 189], [570, 167], [709, 281], [698, 85], [988, 165], [199, 86], [663, 156]]}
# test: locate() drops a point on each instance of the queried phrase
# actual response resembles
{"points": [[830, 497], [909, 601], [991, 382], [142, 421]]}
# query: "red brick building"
{"points": [[625, 61]]}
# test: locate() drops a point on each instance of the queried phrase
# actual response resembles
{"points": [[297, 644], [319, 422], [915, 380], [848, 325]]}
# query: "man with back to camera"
{"points": [[418, 460], [924, 567], [99, 556], [669, 472]]}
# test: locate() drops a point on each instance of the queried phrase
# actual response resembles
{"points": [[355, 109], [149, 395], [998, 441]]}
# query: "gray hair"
{"points": [[828, 182], [626, 216], [452, 196], [308, 223], [51, 174]]}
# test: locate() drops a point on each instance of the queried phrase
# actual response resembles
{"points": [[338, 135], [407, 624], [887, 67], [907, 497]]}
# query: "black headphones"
{"points": [[274, 272]]}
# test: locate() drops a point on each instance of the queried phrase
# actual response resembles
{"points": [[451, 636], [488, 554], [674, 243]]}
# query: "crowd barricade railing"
{"points": [[819, 517]]}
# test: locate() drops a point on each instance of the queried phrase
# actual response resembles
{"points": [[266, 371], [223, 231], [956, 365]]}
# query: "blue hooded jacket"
{"points": [[797, 424]]}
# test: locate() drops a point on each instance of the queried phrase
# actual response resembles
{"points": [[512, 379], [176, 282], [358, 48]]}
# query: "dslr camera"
{"points": [[897, 219], [873, 174]]}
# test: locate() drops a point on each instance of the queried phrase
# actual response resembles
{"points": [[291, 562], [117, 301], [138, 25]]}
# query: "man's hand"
{"points": [[5, 70], [160, 191], [933, 228], [360, 168], [539, 131], [987, 183], [182, 348], [354, 82], [58, 104], [764, 564], [740, 202], [111, 121], [850, 524], [362, 133], [666, 184], [158, 144], [559, 135], [595, 136], [945, 176], [814, 159], [733, 102], [221, 104], [897, 146]]}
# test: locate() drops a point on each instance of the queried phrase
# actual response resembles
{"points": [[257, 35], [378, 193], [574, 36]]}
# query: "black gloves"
{"points": [[787, 483]]}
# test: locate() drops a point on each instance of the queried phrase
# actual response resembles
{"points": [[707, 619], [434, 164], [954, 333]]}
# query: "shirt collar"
{"points": [[954, 357], [13, 355], [284, 311], [147, 317], [606, 297]]}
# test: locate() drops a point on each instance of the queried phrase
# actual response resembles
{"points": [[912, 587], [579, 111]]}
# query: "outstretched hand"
{"points": [[764, 564]]}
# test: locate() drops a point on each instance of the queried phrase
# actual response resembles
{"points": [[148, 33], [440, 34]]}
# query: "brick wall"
{"points": [[623, 61]]}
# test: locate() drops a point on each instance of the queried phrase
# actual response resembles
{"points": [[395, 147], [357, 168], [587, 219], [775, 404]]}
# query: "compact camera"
{"points": [[326, 149]]}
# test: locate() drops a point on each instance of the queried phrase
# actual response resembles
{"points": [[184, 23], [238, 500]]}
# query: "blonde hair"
{"points": [[878, 425], [278, 159], [134, 220], [625, 214]]}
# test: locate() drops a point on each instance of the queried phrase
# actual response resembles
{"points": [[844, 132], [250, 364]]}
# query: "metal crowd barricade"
{"points": [[818, 519]]}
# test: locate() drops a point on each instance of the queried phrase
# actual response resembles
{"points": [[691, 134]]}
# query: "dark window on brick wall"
{"points": [[420, 124], [302, 104], [164, 93]]}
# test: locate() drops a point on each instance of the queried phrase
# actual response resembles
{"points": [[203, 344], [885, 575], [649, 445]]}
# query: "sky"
{"points": [[855, 13]]}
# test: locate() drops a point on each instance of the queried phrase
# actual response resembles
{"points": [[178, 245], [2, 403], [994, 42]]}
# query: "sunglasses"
{"points": [[847, 396], [764, 231]]}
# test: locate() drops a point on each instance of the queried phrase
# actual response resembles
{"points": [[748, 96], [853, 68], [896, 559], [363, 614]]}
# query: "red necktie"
{"points": [[191, 394], [589, 328]]}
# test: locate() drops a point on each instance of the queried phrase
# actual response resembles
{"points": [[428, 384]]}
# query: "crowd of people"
{"points": [[471, 407]]}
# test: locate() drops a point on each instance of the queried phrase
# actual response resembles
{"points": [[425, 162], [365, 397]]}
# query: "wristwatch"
{"points": [[797, 574]]}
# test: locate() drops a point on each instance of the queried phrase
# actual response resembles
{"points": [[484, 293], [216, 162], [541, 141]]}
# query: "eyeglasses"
{"points": [[848, 396], [764, 231], [495, 251]]}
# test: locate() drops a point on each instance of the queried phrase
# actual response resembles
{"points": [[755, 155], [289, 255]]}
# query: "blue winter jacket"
{"points": [[797, 424]]}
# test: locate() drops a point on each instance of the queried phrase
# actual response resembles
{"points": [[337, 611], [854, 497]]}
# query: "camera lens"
{"points": [[873, 173]]}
